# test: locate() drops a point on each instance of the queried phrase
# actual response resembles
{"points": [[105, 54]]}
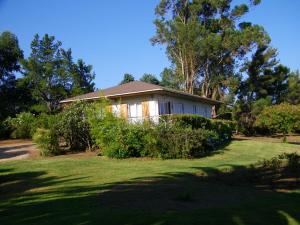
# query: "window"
{"points": [[164, 108], [178, 108], [206, 114], [116, 110], [196, 110], [135, 111]]}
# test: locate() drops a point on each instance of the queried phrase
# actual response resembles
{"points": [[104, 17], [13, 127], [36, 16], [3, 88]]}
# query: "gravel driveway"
{"points": [[16, 149]]}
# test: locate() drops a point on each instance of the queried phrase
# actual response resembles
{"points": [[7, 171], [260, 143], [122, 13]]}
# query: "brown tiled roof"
{"points": [[133, 88]]}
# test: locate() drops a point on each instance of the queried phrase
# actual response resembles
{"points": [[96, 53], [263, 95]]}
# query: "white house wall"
{"points": [[152, 101], [203, 109]]}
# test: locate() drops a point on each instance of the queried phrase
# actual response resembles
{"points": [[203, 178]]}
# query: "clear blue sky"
{"points": [[114, 36]]}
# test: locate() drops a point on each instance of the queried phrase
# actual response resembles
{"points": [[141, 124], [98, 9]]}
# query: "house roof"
{"points": [[135, 88]]}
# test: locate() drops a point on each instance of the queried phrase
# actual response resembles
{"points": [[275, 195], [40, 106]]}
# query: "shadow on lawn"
{"points": [[242, 195]]}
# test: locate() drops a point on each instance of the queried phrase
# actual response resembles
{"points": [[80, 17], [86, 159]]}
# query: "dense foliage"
{"points": [[48, 141], [70, 128], [22, 126], [11, 96], [174, 137], [222, 128], [51, 75], [73, 126], [127, 78], [25, 124], [283, 118], [177, 141], [245, 114], [293, 92], [150, 78], [205, 40]]}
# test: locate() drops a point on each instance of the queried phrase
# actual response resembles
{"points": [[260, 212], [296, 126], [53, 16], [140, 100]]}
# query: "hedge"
{"points": [[178, 136]]}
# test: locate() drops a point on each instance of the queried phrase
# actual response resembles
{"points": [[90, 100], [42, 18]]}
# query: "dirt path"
{"points": [[17, 149]]}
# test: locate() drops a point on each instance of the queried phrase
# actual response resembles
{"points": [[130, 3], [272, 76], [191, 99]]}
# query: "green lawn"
{"points": [[93, 190]]}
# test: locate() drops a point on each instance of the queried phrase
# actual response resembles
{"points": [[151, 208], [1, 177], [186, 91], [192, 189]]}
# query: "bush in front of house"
{"points": [[194, 121], [177, 141], [130, 140], [169, 139], [283, 118], [47, 141], [222, 128], [68, 130], [74, 128], [116, 137]]}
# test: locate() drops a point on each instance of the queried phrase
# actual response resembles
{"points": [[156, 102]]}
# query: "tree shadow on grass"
{"points": [[16, 184], [263, 194]]}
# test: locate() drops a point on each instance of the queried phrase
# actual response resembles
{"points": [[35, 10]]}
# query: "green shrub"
{"points": [[275, 173], [194, 121], [45, 121], [120, 139], [178, 136], [73, 126], [25, 124], [116, 137], [283, 118], [22, 126], [177, 141], [222, 128], [47, 141], [5, 130], [246, 112]]}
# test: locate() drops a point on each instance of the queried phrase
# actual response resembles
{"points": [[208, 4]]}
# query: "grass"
{"points": [[93, 190]]}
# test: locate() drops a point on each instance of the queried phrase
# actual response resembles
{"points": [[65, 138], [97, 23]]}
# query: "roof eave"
{"points": [[177, 93]]}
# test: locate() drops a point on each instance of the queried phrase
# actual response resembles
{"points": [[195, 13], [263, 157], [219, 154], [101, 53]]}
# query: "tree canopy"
{"points": [[293, 90], [51, 75], [127, 78], [150, 78], [265, 77], [206, 40], [10, 56]]}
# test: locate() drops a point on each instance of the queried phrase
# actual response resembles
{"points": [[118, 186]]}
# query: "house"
{"points": [[138, 100]]}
